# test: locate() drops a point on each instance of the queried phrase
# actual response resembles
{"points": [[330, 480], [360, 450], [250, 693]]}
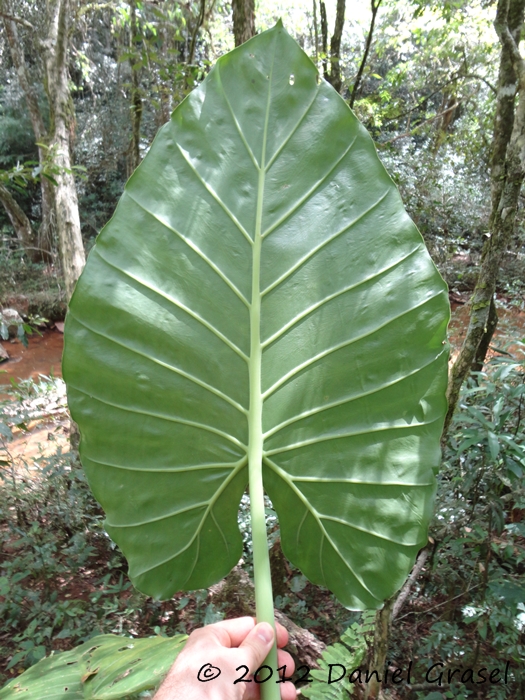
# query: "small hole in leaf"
{"points": [[71, 663], [66, 689], [122, 676], [130, 646], [292, 79]]}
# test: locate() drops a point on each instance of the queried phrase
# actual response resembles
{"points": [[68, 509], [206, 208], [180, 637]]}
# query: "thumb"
{"points": [[257, 644]]}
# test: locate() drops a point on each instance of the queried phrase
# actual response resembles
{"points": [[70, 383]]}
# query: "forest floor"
{"points": [[80, 577]]}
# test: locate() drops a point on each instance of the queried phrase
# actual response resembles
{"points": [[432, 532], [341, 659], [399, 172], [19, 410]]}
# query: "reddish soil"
{"points": [[510, 328], [41, 439], [42, 356]]}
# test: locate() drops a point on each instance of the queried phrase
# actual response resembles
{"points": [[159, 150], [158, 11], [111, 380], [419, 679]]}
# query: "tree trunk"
{"points": [[45, 235], [136, 99], [383, 624], [357, 82], [505, 105], [504, 122], [316, 33], [324, 38], [508, 171], [484, 343], [334, 75], [62, 122], [198, 24], [336, 78], [243, 20], [377, 662], [21, 224]]}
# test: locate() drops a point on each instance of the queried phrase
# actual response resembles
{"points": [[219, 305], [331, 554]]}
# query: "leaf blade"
{"points": [[284, 308]]}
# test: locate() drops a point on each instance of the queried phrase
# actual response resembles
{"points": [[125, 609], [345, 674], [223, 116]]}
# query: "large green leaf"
{"points": [[107, 667], [261, 290], [59, 677], [120, 667]]}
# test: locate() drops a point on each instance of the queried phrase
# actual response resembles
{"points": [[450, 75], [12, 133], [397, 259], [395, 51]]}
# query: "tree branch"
{"points": [[475, 76], [335, 47], [198, 25], [18, 20], [418, 126], [403, 595], [375, 8]]}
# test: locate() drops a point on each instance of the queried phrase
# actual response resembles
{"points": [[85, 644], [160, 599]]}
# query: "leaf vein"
{"points": [[292, 132], [182, 469], [342, 402], [235, 121], [310, 192], [195, 249], [215, 196], [321, 245], [167, 366], [357, 482], [197, 531], [179, 305], [338, 436], [339, 346], [161, 416], [160, 517], [294, 321], [340, 521], [284, 476]]}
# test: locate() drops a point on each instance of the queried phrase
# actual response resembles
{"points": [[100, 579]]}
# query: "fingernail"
{"points": [[265, 632]]}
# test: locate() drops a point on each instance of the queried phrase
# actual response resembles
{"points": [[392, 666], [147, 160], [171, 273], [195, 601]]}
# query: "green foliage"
{"points": [[17, 141], [107, 667], [479, 561], [239, 326], [349, 652], [42, 287], [61, 578]]}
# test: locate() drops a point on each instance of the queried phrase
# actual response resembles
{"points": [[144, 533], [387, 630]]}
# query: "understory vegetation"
{"points": [[423, 78], [63, 581]]}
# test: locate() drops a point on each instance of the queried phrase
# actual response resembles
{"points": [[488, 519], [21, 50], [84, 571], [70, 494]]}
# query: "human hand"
{"points": [[226, 645]]}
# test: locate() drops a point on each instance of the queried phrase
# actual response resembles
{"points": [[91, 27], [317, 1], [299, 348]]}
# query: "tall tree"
{"points": [[61, 127], [508, 172], [59, 203], [136, 96], [334, 75], [46, 231], [504, 122], [243, 12]]}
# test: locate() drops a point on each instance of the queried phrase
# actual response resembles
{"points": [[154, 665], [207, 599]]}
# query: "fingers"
{"points": [[282, 635], [285, 659], [288, 689], [257, 644], [231, 633]]}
